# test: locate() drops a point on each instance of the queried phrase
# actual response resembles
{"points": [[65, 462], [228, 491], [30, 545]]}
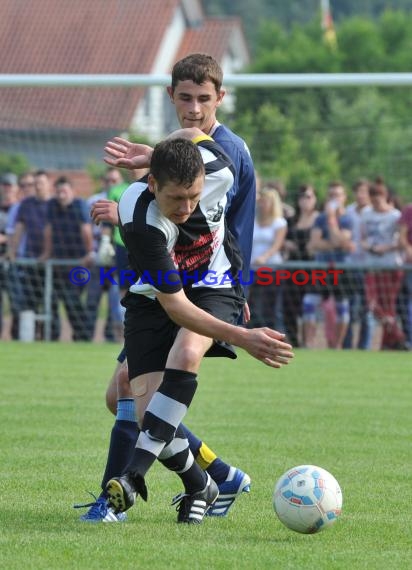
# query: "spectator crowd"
{"points": [[371, 238], [43, 220]]}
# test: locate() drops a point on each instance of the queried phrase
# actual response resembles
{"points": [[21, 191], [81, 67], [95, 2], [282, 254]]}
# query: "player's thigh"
{"points": [[224, 304], [187, 351]]}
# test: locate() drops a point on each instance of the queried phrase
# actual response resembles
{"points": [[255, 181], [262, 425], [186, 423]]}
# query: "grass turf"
{"points": [[348, 412]]}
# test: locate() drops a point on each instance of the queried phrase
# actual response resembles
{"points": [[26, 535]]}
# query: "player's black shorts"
{"points": [[150, 333]]}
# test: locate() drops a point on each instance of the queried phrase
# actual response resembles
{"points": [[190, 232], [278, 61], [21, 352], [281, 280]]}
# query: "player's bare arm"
{"points": [[263, 344]]}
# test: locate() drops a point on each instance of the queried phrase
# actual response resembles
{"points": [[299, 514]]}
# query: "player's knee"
{"points": [[188, 357]]}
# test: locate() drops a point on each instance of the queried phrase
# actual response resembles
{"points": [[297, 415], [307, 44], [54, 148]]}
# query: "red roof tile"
{"points": [[92, 37], [77, 36], [212, 38]]}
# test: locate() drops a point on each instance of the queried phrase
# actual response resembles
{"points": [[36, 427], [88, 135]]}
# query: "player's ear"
{"points": [[169, 90], [151, 183], [220, 96]]}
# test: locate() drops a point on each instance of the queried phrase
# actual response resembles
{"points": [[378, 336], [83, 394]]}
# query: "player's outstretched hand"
{"points": [[268, 346], [125, 154], [105, 211]]}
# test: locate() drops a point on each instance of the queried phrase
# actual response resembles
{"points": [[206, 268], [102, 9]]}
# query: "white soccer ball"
{"points": [[307, 499]]}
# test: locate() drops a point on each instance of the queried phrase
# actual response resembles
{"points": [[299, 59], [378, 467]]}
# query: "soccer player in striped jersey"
{"points": [[177, 221], [232, 481], [196, 92]]}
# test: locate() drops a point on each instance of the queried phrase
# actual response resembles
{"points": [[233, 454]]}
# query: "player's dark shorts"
{"points": [[150, 333]]}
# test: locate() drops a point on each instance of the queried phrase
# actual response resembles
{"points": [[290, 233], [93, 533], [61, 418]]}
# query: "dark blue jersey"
{"points": [[241, 199]]}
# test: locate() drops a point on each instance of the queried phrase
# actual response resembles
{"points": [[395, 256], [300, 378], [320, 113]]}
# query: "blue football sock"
{"points": [[206, 458], [218, 470], [126, 410], [122, 441]]}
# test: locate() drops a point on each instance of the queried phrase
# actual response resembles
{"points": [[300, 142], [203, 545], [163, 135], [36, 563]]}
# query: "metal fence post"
{"points": [[48, 290]]}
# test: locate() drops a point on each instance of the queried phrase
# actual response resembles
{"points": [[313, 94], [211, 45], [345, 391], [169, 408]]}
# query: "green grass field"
{"points": [[348, 412]]}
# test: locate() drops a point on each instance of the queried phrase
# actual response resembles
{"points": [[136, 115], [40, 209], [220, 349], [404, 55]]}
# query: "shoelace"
{"points": [[185, 507], [182, 504], [96, 507], [178, 499]]}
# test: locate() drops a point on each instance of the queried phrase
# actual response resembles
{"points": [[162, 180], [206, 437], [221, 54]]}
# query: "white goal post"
{"points": [[234, 80]]}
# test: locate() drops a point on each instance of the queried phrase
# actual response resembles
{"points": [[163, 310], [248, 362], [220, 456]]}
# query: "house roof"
{"points": [[214, 37], [92, 37]]}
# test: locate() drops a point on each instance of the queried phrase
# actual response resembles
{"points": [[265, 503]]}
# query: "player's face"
{"points": [[176, 202], [196, 104]]}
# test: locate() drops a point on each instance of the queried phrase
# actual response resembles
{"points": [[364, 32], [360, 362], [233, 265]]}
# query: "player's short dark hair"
{"points": [[177, 160], [199, 68]]}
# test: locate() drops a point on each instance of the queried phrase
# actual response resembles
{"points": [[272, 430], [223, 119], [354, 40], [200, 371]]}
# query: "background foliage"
{"points": [[315, 134], [292, 12]]}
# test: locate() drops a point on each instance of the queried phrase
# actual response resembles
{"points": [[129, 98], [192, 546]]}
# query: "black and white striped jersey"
{"points": [[199, 253]]}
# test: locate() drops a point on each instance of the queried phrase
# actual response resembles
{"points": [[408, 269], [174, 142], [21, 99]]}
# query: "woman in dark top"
{"points": [[295, 249]]}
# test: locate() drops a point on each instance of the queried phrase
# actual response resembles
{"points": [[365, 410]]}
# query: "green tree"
{"points": [[16, 163], [298, 12], [340, 132], [277, 144]]}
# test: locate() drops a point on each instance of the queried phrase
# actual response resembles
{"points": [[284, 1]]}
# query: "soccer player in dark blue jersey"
{"points": [[196, 91]]}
